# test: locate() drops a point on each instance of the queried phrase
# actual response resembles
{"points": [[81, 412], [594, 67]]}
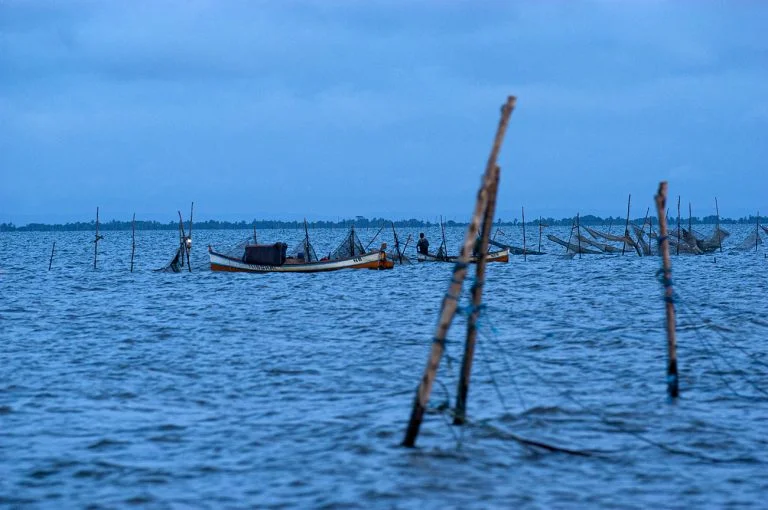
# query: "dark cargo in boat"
{"points": [[265, 254]]}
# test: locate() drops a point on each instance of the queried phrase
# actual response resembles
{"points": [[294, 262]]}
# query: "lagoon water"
{"points": [[214, 390]]}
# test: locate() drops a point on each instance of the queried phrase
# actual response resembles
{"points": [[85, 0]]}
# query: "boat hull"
{"points": [[494, 256], [373, 260]]}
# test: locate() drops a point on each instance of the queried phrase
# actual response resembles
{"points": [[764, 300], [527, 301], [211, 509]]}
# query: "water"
{"points": [[208, 390]]}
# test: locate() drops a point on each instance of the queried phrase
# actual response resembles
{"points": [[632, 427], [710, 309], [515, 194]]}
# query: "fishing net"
{"points": [[304, 251], [176, 263], [751, 242], [397, 253], [238, 251], [350, 247]]}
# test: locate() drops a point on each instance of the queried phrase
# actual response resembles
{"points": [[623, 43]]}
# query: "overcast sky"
{"points": [[334, 109]]}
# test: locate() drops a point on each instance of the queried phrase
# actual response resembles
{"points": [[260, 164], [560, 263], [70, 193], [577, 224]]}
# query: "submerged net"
{"points": [[350, 247], [176, 263]]}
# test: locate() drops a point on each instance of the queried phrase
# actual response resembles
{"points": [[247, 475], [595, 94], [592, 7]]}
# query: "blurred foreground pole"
{"points": [[451, 299], [477, 297]]}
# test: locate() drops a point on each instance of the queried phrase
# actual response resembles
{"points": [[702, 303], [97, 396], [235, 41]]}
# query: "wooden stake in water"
{"points": [[525, 257], [717, 227], [50, 262], [672, 379], [183, 242], [96, 239], [570, 236], [451, 299], [626, 226], [578, 233], [690, 216], [133, 239], [757, 230], [477, 296], [540, 229], [188, 240]]}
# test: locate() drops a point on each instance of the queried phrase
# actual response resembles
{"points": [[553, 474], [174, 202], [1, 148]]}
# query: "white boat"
{"points": [[372, 260]]}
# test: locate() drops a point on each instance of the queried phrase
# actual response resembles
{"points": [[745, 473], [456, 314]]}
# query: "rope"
{"points": [[604, 420], [715, 352]]}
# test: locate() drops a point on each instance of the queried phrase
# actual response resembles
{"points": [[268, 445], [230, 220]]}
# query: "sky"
{"points": [[332, 109]]}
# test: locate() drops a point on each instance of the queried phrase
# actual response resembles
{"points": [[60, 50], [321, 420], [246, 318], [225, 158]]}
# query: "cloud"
{"points": [[228, 94]]}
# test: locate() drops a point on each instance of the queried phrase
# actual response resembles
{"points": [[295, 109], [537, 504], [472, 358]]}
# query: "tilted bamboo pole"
{"points": [[374, 237], [672, 379], [50, 262], [182, 240], [626, 226], [477, 296], [570, 236], [450, 301]]}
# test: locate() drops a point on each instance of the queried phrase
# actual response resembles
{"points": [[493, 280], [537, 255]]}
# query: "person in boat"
{"points": [[423, 245]]}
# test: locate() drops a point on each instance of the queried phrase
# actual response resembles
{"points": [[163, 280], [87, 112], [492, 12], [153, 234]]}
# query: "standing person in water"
{"points": [[423, 245]]}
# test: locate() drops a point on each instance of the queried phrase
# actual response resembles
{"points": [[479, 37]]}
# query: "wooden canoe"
{"points": [[372, 260], [493, 256]]}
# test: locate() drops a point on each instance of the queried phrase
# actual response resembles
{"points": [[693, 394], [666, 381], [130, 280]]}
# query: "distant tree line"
{"points": [[359, 222]]}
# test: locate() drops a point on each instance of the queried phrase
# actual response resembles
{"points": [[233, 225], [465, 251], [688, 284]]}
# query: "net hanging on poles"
{"points": [[350, 247]]}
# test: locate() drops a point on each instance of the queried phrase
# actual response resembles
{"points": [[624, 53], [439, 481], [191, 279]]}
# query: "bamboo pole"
{"points": [[578, 233], [757, 230], [96, 239], [397, 244], [188, 240], [182, 240], [445, 245], [677, 246], [450, 301], [570, 236], [477, 296], [407, 242], [374, 237], [50, 262], [524, 254], [672, 379], [690, 226], [626, 226], [133, 239], [717, 227], [540, 229]]}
